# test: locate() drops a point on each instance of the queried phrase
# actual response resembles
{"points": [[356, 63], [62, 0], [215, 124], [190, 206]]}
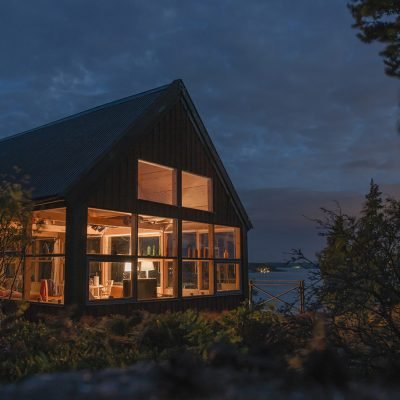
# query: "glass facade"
{"points": [[210, 259], [108, 232], [133, 256], [196, 192], [11, 278], [131, 247], [157, 263], [45, 260], [141, 251], [197, 264], [228, 277], [108, 245], [156, 183], [226, 242], [109, 280]]}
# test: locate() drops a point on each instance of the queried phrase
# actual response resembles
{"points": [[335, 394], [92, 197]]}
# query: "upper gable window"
{"points": [[156, 183], [196, 191]]}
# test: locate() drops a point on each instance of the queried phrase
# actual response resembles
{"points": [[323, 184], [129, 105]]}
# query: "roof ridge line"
{"points": [[88, 111]]}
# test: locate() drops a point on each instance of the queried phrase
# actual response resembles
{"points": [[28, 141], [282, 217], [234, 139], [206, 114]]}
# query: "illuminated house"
{"points": [[134, 209]]}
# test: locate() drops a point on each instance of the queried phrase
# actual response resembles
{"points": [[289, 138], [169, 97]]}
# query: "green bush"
{"points": [[55, 344], [63, 344], [167, 333]]}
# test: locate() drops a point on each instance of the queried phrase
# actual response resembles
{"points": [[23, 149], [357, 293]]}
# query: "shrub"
{"points": [[170, 332]]}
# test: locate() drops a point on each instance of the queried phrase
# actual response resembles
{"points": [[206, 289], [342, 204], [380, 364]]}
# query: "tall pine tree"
{"points": [[379, 21]]}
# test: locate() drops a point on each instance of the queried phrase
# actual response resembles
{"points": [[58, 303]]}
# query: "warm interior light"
{"points": [[128, 267], [146, 265]]}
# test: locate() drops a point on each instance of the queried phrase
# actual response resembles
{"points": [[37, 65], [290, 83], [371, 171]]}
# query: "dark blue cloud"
{"points": [[290, 96], [284, 218]]}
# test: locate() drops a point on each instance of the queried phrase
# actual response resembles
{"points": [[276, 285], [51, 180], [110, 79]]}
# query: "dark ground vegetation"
{"points": [[347, 341]]}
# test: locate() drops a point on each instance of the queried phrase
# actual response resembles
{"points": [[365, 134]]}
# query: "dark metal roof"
{"points": [[57, 154]]}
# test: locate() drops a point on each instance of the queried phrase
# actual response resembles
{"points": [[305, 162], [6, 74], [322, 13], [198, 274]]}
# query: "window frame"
{"points": [[210, 191], [34, 258], [174, 184], [134, 258]]}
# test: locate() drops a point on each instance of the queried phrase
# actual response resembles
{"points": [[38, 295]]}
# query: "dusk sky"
{"points": [[298, 108]]}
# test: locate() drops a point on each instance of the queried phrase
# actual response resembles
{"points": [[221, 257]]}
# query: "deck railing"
{"points": [[288, 287]]}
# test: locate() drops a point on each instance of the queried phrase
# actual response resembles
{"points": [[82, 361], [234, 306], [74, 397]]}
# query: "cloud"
{"points": [[290, 96], [284, 218], [369, 164]]}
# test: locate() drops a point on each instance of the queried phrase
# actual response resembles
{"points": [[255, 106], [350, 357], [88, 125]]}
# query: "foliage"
{"points": [[360, 289], [61, 343], [357, 319], [379, 20], [251, 328], [15, 213], [169, 333]]}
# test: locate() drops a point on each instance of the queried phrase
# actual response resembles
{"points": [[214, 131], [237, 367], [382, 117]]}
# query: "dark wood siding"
{"points": [[204, 303], [75, 254], [174, 142]]}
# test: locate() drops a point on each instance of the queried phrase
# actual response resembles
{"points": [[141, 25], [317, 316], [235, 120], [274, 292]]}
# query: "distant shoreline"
{"points": [[279, 266]]}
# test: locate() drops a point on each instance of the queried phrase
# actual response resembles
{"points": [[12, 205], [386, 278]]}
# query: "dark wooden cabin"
{"points": [[133, 209]]}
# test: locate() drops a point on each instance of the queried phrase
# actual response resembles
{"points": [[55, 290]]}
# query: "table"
{"points": [[95, 289]]}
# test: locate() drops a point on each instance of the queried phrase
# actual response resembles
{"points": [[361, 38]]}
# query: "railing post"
{"points": [[301, 297], [250, 294]]}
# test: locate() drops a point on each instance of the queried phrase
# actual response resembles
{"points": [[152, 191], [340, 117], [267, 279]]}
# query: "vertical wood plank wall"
{"points": [[173, 142], [75, 254]]}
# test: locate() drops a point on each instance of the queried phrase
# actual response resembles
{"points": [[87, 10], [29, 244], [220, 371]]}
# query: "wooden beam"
{"points": [[179, 266], [134, 252], [76, 275], [212, 265]]}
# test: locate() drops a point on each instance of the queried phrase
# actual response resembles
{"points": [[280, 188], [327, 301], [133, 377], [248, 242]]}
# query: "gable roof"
{"points": [[57, 155], [218, 164]]}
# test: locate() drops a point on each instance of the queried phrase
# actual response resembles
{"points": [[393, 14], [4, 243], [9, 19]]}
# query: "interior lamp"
{"points": [[146, 265], [127, 270], [128, 267]]}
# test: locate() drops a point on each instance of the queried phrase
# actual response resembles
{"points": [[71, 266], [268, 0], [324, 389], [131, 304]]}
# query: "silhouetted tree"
{"points": [[379, 21], [360, 270], [15, 217]]}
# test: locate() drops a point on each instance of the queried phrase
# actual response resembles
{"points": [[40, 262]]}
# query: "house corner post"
{"points": [[75, 254], [244, 264]]}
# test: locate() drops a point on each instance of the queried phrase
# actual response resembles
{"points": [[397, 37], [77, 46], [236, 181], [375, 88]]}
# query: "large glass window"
{"points": [[226, 242], [11, 278], [227, 277], [108, 245], [157, 263], [108, 232], [196, 191], [109, 280], [112, 258], [156, 183], [156, 278], [121, 258], [156, 236], [45, 261], [46, 282], [197, 268], [196, 278], [195, 239]]}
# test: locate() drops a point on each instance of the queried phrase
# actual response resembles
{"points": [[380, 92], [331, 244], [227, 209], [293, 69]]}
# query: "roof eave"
{"points": [[143, 122]]}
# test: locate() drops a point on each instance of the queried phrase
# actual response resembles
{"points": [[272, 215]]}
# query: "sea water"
{"points": [[264, 281]]}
